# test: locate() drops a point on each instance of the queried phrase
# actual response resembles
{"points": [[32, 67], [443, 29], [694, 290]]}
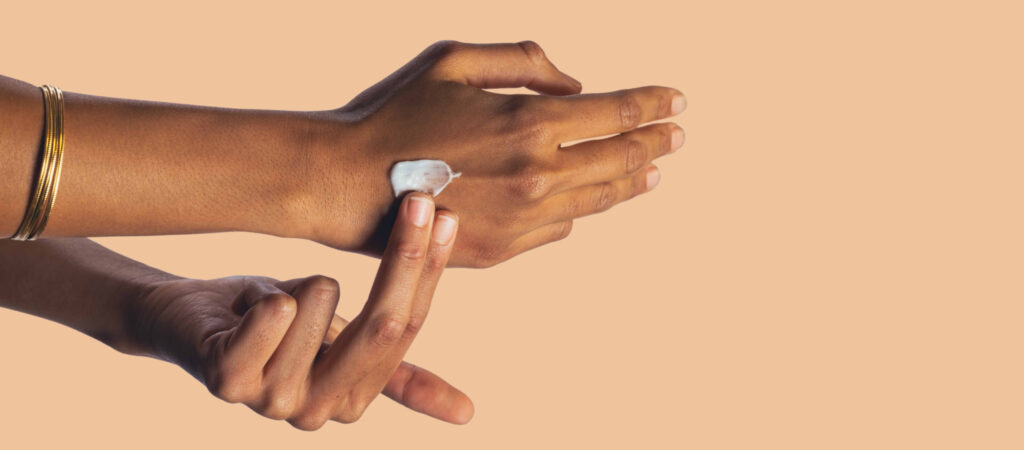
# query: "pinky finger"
{"points": [[536, 238], [420, 390], [600, 197]]}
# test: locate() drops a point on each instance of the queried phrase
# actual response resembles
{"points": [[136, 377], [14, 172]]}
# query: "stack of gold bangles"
{"points": [[49, 170]]}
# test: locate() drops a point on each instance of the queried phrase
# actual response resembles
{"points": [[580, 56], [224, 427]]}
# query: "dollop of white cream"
{"points": [[422, 175]]}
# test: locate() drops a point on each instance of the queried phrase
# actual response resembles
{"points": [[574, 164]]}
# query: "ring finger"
{"points": [[595, 198]]}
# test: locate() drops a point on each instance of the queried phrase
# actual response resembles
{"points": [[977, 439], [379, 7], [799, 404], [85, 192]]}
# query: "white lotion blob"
{"points": [[422, 175]]}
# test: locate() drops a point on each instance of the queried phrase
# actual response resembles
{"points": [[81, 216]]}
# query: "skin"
{"points": [[275, 346], [139, 168]]}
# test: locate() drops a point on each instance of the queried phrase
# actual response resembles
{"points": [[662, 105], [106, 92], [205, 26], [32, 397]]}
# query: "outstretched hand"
{"points": [[279, 348], [520, 188]]}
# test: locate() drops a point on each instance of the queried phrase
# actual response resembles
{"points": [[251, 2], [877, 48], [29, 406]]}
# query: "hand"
{"points": [[278, 347], [519, 188]]}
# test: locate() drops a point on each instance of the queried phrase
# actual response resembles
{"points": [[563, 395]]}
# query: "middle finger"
{"points": [[592, 115], [365, 343], [602, 160]]}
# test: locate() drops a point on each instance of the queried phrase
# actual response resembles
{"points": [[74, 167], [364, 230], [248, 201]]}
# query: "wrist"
{"points": [[346, 191], [137, 309]]}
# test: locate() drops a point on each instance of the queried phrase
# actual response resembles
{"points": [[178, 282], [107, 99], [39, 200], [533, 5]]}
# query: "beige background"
{"points": [[832, 261]]}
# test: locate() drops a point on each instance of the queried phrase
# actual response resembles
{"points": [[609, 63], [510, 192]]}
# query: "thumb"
{"points": [[522, 64]]}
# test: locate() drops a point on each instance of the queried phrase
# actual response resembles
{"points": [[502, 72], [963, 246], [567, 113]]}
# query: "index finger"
{"points": [[591, 115], [375, 340]]}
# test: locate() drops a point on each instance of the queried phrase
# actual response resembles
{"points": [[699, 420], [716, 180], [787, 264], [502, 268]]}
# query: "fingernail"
{"points": [[444, 229], [678, 103], [653, 177], [677, 139], [419, 209]]}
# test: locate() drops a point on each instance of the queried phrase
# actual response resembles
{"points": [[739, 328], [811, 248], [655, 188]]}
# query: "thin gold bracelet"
{"points": [[45, 194]]}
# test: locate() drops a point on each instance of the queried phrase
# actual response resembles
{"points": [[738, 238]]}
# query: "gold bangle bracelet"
{"points": [[45, 193]]}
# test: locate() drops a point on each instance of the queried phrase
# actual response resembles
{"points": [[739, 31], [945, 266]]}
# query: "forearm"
{"points": [[78, 283], [140, 168], [134, 167]]}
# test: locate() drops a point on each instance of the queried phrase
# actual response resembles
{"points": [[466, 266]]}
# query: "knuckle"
{"points": [[279, 404], [434, 265], [507, 220], [413, 325], [629, 111], [526, 118], [530, 183], [279, 303], [441, 56], [349, 415], [229, 387], [354, 407], [308, 422], [445, 48], [635, 155], [388, 329], [511, 217], [606, 196], [411, 250], [533, 51]]}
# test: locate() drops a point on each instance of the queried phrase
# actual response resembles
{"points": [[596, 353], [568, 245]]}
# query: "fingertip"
{"points": [[577, 86], [465, 413], [413, 194], [678, 102], [653, 177], [570, 86], [678, 139], [418, 208], [446, 224], [447, 212]]}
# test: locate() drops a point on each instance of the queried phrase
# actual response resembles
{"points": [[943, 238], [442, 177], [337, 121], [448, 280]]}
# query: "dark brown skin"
{"points": [[275, 346], [140, 168]]}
